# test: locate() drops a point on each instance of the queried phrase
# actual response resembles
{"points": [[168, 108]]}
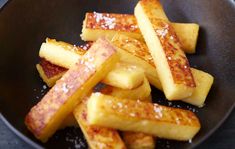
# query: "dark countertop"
{"points": [[223, 138]]}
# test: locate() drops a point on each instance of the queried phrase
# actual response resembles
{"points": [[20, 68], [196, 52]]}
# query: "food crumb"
{"points": [[73, 138], [44, 87], [169, 103], [168, 144]]}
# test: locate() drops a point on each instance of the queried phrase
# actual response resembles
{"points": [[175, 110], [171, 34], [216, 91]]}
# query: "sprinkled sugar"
{"points": [[65, 87], [162, 32], [132, 114], [158, 110], [107, 22], [44, 87]]}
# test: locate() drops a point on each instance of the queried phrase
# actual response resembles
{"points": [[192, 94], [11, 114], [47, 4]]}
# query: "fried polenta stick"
{"points": [[45, 118], [171, 62], [108, 24], [137, 116]]}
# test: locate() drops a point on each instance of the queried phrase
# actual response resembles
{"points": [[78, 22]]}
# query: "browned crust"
{"points": [[141, 51], [86, 46], [106, 90], [153, 9], [111, 21], [49, 69], [151, 5], [49, 81], [171, 45], [41, 114], [175, 56]]}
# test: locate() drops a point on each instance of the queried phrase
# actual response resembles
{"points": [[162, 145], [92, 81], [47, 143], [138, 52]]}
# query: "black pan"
{"points": [[24, 25]]}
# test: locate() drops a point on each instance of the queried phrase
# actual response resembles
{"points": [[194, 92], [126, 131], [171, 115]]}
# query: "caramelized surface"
{"points": [[111, 21], [44, 118], [171, 45], [134, 47], [153, 8], [49, 81], [176, 58], [171, 63], [50, 69]]}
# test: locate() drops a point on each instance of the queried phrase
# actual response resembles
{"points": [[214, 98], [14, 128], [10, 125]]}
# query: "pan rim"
{"points": [[3, 4], [19, 134]]}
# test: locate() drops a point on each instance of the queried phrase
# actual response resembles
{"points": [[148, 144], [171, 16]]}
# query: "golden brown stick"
{"points": [[45, 118], [109, 24], [128, 115], [171, 63]]}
